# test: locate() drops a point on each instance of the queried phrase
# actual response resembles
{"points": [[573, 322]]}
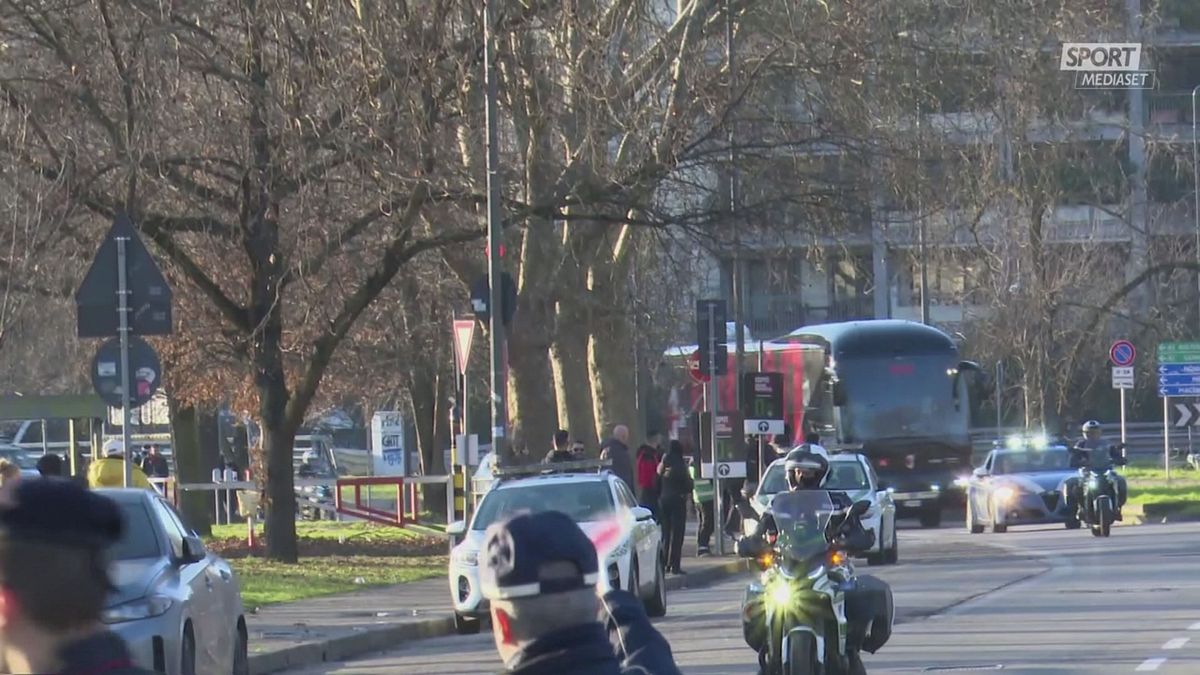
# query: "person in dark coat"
{"points": [[676, 490], [561, 452], [616, 450], [154, 464], [50, 465], [54, 581], [539, 573]]}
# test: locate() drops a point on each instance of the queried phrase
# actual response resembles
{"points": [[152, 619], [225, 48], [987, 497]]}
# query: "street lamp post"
{"points": [[1196, 183]]}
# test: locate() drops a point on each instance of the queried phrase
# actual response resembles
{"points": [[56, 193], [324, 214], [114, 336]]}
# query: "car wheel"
{"points": [[656, 605], [241, 651], [892, 556], [466, 625], [997, 527], [973, 526], [931, 516], [187, 652]]}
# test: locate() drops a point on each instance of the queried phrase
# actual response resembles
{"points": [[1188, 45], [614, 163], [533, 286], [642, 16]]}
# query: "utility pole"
{"points": [[738, 318], [1196, 184], [495, 234]]}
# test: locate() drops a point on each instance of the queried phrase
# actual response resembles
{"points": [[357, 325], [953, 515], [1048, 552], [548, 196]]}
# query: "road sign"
{"points": [[693, 366], [1179, 352], [1178, 391], [762, 407], [1179, 380], [1122, 353], [144, 366], [1189, 414], [96, 301], [729, 451], [1179, 369], [481, 296], [1122, 377], [464, 331]]}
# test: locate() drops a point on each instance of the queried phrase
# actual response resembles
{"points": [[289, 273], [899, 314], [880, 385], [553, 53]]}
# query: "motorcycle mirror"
{"points": [[860, 507]]}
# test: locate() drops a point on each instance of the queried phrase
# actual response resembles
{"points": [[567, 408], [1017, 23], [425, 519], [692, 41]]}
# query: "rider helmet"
{"points": [[1091, 429], [805, 470]]}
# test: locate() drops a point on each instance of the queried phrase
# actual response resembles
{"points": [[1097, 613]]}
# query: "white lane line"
{"points": [[1151, 664], [1195, 626], [1175, 643]]}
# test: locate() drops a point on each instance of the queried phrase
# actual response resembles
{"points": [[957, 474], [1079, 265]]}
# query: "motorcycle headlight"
{"points": [[1005, 493], [468, 557], [779, 594], [1093, 482], [144, 608]]}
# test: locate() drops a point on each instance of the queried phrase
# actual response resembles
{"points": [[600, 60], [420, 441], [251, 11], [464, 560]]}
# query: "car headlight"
{"points": [[144, 608], [935, 487], [468, 557], [1005, 493], [962, 482]]}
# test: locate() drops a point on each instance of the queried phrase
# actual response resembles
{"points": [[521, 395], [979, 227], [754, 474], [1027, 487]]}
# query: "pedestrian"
{"points": [[813, 440], [578, 449], [648, 456], [154, 464], [54, 581], [676, 491], [50, 465], [561, 452], [110, 471], [702, 494], [616, 450], [540, 575]]}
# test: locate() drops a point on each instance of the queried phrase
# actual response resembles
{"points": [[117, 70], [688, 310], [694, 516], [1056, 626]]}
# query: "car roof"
{"points": [[552, 479], [123, 495]]}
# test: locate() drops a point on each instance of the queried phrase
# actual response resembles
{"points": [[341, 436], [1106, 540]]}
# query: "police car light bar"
{"points": [[578, 466]]}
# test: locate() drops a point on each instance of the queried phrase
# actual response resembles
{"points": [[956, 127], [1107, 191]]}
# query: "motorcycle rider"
{"points": [[807, 470], [1093, 452]]}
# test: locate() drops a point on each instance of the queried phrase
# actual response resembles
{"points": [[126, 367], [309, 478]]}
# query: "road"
{"points": [[1034, 600]]}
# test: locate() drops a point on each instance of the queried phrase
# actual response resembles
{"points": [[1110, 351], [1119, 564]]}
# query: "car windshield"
{"points": [[19, 457], [842, 476], [138, 539], [582, 501], [1032, 461]]}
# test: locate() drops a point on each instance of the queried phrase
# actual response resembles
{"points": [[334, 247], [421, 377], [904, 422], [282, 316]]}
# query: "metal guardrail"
{"points": [[1141, 438]]}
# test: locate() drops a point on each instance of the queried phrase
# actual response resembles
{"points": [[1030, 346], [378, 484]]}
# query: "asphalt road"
{"points": [[1034, 600]]}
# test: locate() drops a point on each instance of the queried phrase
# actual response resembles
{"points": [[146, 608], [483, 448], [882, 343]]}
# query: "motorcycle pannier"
{"points": [[872, 600]]}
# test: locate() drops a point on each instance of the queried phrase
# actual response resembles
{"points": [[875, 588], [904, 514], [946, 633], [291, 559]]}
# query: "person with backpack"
{"points": [[646, 469], [676, 490]]}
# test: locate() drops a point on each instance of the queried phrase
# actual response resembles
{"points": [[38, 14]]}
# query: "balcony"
{"points": [[773, 315], [1171, 112], [1178, 24]]}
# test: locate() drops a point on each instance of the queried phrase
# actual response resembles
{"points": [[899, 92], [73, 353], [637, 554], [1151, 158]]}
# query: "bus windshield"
{"points": [[908, 397]]}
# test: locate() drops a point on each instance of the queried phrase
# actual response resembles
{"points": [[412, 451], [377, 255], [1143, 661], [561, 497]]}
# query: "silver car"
{"points": [[177, 606]]}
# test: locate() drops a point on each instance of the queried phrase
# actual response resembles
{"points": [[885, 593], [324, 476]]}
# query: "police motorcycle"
{"points": [[809, 613], [1098, 505]]}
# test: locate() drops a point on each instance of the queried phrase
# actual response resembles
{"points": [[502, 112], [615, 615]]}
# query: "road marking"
{"points": [[1175, 643], [1195, 626], [1151, 664]]}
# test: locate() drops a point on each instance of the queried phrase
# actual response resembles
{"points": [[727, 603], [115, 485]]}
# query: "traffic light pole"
{"points": [[123, 318], [714, 406], [494, 234]]}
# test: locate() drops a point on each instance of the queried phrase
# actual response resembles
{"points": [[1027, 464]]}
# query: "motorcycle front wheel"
{"points": [[802, 655]]}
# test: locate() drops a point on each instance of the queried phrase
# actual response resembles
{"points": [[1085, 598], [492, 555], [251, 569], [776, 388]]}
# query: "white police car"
{"points": [[850, 473], [594, 500]]}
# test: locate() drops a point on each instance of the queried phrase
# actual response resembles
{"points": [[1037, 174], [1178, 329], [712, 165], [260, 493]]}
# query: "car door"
{"points": [[212, 646], [883, 504], [643, 539]]}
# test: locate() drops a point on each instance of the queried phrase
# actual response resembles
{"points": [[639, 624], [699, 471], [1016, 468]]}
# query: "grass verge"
{"points": [[334, 558], [1149, 485], [266, 582]]}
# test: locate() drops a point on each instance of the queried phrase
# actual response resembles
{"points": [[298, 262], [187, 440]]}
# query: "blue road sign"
{"points": [[1174, 391], [1179, 380], [1179, 369], [1122, 353]]}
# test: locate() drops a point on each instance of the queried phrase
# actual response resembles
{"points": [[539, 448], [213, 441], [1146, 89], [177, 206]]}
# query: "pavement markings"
{"points": [[1195, 626], [1151, 664], [1175, 643]]}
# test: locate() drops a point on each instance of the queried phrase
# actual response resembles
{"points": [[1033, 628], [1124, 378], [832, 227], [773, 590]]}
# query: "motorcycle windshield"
{"points": [[800, 518]]}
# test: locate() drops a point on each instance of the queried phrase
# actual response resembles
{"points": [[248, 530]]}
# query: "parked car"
{"points": [[853, 474], [592, 499], [177, 605], [24, 460]]}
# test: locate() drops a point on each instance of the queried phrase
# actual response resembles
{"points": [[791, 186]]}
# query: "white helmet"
{"points": [[1091, 425]]}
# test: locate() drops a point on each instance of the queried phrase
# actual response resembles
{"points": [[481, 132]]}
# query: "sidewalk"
{"points": [[343, 626]]}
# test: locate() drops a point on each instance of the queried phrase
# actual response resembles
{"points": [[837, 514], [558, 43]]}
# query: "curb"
{"points": [[377, 639]]}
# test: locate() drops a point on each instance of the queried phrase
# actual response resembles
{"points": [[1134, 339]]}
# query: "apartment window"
{"points": [[1169, 175], [1179, 15], [954, 278], [958, 82], [1076, 173]]}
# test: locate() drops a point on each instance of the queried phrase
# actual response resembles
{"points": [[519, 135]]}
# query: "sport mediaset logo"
{"points": [[1106, 65]]}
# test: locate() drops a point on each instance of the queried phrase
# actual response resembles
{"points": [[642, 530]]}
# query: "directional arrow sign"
{"points": [[1177, 391], [1179, 369], [1178, 380], [1179, 352], [1189, 414]]}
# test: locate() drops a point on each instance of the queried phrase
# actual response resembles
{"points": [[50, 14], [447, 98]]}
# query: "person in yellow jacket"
{"points": [[110, 471]]}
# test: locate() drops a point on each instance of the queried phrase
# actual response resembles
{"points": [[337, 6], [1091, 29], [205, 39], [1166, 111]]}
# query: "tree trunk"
{"points": [[610, 358], [278, 442], [572, 382], [532, 406], [190, 467]]}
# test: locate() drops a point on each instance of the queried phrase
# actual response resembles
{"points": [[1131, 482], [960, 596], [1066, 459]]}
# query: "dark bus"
{"points": [[896, 392]]}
